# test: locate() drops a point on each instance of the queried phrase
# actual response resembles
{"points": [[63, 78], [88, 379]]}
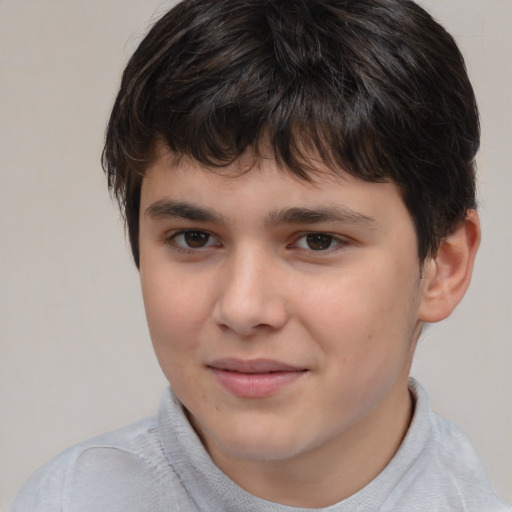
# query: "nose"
{"points": [[251, 294]]}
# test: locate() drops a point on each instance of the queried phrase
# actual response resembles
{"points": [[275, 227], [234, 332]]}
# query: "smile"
{"points": [[254, 379]]}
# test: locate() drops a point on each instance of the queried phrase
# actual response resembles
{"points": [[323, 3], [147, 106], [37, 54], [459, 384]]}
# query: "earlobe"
{"points": [[446, 276]]}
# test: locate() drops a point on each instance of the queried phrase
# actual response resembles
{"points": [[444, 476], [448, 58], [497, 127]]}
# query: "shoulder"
{"points": [[104, 473], [448, 472], [460, 471]]}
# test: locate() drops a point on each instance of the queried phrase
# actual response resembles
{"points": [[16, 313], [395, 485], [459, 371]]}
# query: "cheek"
{"points": [[367, 314], [175, 311], [177, 314]]}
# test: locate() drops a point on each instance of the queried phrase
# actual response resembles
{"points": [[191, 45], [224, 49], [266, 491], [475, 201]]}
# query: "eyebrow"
{"points": [[295, 215], [182, 210], [316, 215]]}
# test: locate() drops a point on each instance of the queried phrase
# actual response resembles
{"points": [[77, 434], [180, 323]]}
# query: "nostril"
{"points": [[248, 300]]}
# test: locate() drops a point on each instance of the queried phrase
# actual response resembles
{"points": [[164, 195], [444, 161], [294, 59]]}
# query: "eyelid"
{"points": [[170, 239], [340, 241]]}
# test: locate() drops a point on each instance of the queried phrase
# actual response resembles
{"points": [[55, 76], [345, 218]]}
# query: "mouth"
{"points": [[258, 378]]}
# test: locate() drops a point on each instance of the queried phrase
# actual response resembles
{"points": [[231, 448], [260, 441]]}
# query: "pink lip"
{"points": [[254, 378]]}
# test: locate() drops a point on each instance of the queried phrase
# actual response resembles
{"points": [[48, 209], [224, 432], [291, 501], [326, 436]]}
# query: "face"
{"points": [[283, 313]]}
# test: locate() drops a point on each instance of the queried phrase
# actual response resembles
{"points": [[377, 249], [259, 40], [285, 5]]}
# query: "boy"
{"points": [[298, 184]]}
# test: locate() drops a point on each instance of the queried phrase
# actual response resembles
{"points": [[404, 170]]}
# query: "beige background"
{"points": [[75, 357]]}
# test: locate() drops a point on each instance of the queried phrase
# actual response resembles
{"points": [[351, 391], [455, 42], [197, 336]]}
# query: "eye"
{"points": [[318, 242], [193, 239]]}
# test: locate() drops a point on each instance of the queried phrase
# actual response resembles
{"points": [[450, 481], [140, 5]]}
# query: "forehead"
{"points": [[314, 172], [308, 164], [258, 187]]}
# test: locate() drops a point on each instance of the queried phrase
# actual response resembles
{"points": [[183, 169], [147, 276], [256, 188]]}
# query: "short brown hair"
{"points": [[376, 88]]}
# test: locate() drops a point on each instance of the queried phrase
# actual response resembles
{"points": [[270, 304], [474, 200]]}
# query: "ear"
{"points": [[446, 276]]}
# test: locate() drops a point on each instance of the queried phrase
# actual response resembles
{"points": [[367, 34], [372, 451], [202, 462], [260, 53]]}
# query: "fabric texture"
{"points": [[160, 465]]}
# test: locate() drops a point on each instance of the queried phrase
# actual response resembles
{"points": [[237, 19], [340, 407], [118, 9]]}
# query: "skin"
{"points": [[235, 275]]}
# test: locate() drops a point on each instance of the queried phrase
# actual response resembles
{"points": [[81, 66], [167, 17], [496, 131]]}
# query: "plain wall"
{"points": [[75, 355]]}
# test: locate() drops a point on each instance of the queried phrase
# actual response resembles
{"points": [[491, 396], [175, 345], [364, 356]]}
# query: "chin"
{"points": [[257, 441]]}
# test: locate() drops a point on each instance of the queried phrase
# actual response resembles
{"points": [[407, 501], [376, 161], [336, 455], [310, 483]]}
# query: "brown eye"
{"points": [[193, 239], [196, 239], [319, 241]]}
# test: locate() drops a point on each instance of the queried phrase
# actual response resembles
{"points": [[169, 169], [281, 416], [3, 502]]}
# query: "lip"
{"points": [[258, 378]]}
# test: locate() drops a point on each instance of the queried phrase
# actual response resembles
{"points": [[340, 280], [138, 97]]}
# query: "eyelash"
{"points": [[334, 242], [172, 240]]}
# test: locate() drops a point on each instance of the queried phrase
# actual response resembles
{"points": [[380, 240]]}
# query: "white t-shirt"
{"points": [[160, 465]]}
